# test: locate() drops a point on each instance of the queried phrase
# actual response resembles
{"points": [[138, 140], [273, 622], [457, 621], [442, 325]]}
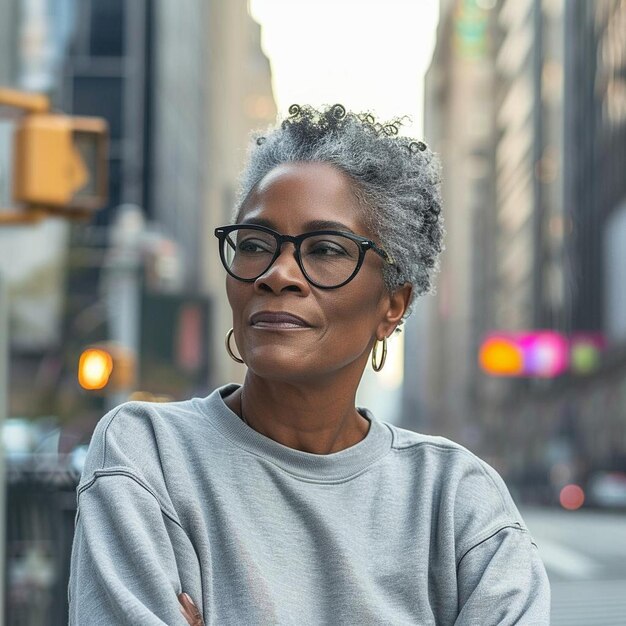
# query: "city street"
{"points": [[585, 554], [188, 191]]}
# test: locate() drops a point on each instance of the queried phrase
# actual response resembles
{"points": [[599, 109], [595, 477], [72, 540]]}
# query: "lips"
{"points": [[277, 318]]}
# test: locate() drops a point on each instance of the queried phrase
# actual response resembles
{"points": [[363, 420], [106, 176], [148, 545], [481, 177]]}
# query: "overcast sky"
{"points": [[368, 55]]}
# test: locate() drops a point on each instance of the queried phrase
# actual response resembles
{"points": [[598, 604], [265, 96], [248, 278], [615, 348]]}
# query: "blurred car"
{"points": [[19, 439], [35, 444], [607, 489]]}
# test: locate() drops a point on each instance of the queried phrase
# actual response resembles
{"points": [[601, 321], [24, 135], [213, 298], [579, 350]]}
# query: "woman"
{"points": [[278, 501]]}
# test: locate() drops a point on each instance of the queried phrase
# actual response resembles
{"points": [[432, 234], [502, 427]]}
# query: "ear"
{"points": [[396, 303]]}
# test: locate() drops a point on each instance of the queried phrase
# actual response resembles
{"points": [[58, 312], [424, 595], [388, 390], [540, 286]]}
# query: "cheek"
{"points": [[356, 309], [229, 290], [235, 292]]}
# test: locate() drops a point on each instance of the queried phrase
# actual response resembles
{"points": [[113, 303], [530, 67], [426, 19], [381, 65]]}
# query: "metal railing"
{"points": [[41, 510]]}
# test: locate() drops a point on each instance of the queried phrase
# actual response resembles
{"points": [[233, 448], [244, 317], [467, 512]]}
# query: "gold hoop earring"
{"points": [[232, 355], [378, 367]]}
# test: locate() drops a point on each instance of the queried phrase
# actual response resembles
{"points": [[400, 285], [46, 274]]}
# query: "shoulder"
{"points": [[440, 451], [135, 435], [470, 492]]}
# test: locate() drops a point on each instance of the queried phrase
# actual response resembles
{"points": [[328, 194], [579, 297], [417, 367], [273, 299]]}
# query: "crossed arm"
{"points": [[122, 533]]}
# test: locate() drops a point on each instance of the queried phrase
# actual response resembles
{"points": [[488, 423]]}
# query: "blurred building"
{"points": [[571, 426], [8, 56], [34, 38], [8, 44], [595, 132], [459, 126], [212, 88], [536, 240], [181, 86], [107, 72]]}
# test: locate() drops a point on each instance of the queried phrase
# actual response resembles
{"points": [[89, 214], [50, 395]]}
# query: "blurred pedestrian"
{"points": [[279, 501]]}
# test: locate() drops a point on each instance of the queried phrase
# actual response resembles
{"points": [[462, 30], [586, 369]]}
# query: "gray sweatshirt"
{"points": [[400, 528]]}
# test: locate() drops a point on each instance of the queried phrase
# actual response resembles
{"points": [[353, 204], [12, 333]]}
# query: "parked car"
{"points": [[35, 444], [607, 489]]}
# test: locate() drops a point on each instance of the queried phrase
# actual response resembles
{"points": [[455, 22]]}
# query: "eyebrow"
{"points": [[309, 226]]}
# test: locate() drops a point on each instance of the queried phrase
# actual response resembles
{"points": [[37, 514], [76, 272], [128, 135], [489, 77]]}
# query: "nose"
{"points": [[284, 274]]}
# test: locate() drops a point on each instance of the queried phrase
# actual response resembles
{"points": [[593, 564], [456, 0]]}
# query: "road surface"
{"points": [[584, 553]]}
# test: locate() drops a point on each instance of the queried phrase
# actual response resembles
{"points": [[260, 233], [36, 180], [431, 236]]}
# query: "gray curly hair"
{"points": [[396, 181]]}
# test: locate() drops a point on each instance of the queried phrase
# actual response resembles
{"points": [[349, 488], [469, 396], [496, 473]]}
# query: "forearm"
{"points": [[123, 569]]}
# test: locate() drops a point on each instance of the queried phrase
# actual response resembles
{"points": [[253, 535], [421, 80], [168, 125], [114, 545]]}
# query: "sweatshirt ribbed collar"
{"points": [[334, 467]]}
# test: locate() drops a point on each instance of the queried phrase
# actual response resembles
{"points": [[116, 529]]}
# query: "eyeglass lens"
{"points": [[328, 260]]}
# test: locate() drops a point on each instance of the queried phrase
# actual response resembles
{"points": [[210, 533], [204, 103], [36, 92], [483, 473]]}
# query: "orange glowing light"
{"points": [[94, 368], [502, 357], [571, 497]]}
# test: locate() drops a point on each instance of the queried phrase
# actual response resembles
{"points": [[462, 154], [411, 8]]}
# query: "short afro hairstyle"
{"points": [[396, 181]]}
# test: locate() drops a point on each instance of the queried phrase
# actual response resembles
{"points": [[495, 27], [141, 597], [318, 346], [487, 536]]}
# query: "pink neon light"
{"points": [[545, 353]]}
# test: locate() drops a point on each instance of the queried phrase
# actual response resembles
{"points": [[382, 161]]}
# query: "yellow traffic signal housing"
{"points": [[61, 162], [107, 367]]}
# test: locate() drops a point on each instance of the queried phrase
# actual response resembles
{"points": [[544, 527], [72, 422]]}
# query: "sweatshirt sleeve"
{"points": [[502, 581], [123, 567]]}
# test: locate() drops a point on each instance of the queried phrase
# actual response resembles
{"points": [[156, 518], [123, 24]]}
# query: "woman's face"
{"points": [[341, 323]]}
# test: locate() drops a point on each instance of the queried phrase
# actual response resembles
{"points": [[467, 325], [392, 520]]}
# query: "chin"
{"points": [[279, 363]]}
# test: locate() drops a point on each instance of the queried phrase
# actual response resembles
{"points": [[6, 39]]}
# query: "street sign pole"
{"points": [[4, 403]]}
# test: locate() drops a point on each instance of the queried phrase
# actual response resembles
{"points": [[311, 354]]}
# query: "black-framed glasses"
{"points": [[327, 258]]}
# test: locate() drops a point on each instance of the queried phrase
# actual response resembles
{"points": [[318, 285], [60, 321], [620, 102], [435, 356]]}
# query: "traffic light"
{"points": [[107, 367], [60, 162]]}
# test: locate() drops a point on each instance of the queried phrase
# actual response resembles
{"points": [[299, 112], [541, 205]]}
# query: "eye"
{"points": [[250, 246], [327, 248]]}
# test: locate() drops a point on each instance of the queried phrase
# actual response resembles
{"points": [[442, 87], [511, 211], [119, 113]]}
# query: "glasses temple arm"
{"points": [[384, 254]]}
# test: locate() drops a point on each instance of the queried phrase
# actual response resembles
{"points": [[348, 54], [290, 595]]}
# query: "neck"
{"points": [[320, 419]]}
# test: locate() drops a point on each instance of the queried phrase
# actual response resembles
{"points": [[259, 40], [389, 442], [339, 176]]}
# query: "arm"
{"points": [[502, 581], [500, 577], [123, 566]]}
